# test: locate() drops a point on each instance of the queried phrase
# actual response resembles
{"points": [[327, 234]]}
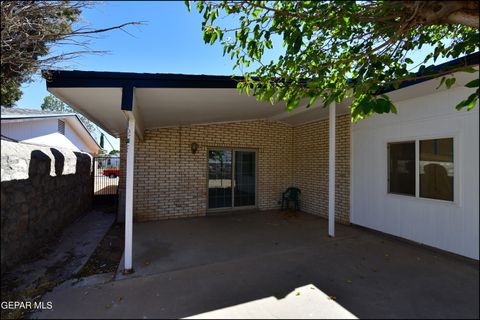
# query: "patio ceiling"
{"points": [[160, 103]]}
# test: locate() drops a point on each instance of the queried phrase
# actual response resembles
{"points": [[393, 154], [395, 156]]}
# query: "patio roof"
{"points": [[167, 100]]}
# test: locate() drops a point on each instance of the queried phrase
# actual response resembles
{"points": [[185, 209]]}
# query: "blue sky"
{"points": [[169, 42]]}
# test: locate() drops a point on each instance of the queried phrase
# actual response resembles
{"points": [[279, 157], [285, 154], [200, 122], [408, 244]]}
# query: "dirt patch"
{"points": [[107, 255], [32, 293]]}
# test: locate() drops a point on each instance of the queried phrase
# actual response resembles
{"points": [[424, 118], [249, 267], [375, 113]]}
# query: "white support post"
{"points": [[129, 194], [331, 170]]}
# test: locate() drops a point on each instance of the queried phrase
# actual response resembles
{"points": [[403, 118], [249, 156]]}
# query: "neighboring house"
{"points": [[191, 145], [47, 128]]}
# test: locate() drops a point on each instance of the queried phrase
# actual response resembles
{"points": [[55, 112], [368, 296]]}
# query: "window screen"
{"points": [[401, 168], [61, 127], [436, 169]]}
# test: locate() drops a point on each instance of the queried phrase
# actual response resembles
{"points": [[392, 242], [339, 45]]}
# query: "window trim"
{"points": [[456, 167]]}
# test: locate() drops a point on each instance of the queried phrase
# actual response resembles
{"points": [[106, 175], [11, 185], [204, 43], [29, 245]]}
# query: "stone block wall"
{"points": [[171, 182], [42, 190]]}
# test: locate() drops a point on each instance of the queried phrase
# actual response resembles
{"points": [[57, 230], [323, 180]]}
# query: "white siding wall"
{"points": [[449, 226], [75, 138], [45, 132], [23, 130]]}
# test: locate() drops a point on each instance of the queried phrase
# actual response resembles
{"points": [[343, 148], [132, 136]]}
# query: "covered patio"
{"points": [[276, 264], [161, 117]]}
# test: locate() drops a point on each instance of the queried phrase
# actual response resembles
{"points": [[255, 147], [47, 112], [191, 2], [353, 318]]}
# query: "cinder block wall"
{"points": [[311, 167], [171, 182], [43, 190]]}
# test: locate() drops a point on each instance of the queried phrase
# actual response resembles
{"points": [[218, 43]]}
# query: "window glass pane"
{"points": [[436, 169], [401, 169], [219, 178], [244, 178]]}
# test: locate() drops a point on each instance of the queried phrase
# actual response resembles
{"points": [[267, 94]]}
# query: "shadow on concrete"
{"points": [[187, 267]]}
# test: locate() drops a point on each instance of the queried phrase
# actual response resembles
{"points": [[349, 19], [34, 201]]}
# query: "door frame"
{"points": [[232, 207]]}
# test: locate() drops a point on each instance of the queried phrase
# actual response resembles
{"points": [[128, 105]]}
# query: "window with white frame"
{"points": [[435, 165]]}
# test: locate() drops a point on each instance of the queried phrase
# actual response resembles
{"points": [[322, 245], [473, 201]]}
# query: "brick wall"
{"points": [[171, 182], [311, 167]]}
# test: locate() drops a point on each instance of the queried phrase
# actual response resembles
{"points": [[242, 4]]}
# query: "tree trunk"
{"points": [[443, 12]]}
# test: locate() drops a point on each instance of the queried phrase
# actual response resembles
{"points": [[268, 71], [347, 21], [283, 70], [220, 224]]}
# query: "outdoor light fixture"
{"points": [[194, 147]]}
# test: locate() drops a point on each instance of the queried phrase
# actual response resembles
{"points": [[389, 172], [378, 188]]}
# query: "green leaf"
{"points": [[450, 82], [408, 60], [268, 94], [381, 105], [436, 53], [292, 102], [469, 70], [469, 102], [298, 44], [473, 84], [241, 86], [393, 109], [247, 89], [460, 105], [312, 100], [213, 37], [441, 82]]}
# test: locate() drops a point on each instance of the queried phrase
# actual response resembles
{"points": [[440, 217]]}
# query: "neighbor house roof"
{"points": [[23, 114], [167, 100], [17, 113]]}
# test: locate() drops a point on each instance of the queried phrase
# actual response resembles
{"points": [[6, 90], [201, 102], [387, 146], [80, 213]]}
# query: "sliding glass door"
{"points": [[231, 178], [244, 179]]}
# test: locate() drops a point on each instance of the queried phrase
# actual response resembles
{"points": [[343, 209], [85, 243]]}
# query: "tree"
{"points": [[52, 103], [29, 31], [114, 152], [335, 50]]}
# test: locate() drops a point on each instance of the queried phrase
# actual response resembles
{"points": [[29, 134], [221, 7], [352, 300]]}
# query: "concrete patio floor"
{"points": [[273, 265]]}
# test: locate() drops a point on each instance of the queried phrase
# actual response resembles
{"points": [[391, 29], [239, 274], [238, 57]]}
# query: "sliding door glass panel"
{"points": [[436, 169], [219, 178], [244, 178], [401, 168]]}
